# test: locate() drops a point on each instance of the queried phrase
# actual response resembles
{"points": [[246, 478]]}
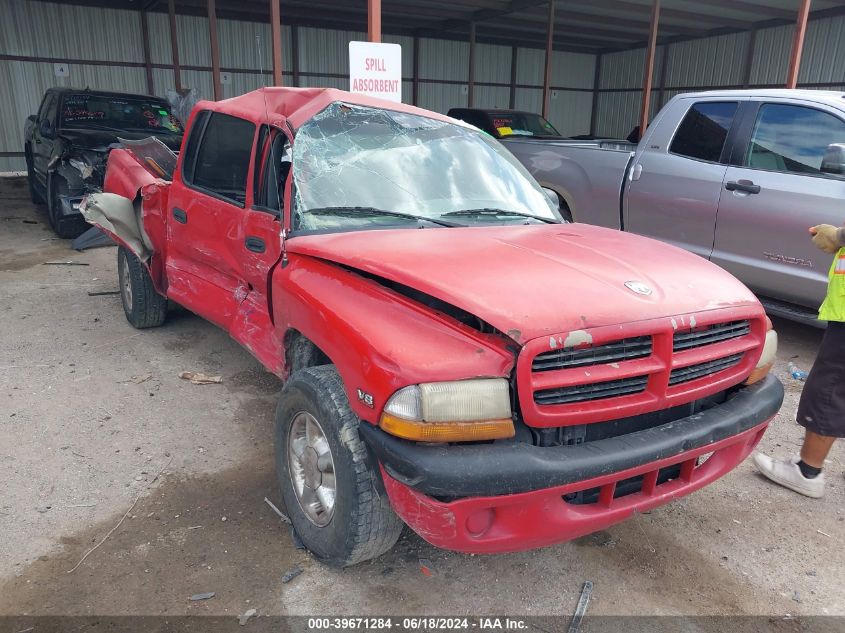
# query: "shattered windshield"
{"points": [[361, 167], [118, 114]]}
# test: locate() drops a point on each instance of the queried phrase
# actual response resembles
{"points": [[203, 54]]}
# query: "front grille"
{"points": [[686, 374], [712, 334], [626, 349], [594, 391]]}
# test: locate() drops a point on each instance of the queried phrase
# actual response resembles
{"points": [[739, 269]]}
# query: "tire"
{"points": [[65, 228], [565, 211], [142, 305], [30, 179], [359, 523]]}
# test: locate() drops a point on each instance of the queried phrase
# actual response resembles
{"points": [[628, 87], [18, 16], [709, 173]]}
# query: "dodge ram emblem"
{"points": [[639, 287]]}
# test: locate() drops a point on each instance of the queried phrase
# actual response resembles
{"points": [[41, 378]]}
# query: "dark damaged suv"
{"points": [[66, 145]]}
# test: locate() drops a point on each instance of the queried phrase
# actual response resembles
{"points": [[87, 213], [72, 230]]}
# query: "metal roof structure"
{"points": [[597, 26]]}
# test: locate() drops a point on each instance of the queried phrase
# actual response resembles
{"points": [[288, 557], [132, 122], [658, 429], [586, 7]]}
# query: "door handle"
{"points": [[255, 244], [746, 186], [180, 216]]}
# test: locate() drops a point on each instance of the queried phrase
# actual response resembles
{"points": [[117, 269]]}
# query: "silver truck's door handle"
{"points": [[637, 171]]}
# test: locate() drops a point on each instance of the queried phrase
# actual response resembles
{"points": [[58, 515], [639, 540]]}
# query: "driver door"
{"points": [[258, 242]]}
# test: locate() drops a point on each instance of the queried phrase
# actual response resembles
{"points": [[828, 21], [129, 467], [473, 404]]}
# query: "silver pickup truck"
{"points": [[735, 176]]}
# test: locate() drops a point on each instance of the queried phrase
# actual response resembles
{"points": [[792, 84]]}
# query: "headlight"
{"points": [[767, 358], [458, 411]]}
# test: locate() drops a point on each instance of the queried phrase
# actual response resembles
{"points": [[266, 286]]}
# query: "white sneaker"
{"points": [[787, 474]]}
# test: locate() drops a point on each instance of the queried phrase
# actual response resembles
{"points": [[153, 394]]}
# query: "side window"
{"points": [[45, 105], [222, 159], [793, 139], [270, 186], [703, 131]]}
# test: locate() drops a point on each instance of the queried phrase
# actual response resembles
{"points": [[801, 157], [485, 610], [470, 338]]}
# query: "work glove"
{"points": [[826, 237]]}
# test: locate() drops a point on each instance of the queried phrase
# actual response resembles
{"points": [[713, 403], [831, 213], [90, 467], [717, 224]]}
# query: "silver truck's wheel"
{"points": [[142, 305], [331, 489]]}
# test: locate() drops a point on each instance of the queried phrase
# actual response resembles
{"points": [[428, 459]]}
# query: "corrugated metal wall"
{"points": [[323, 61], [719, 62]]}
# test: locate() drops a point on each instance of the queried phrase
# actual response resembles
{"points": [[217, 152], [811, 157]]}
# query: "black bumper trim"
{"points": [[509, 468]]}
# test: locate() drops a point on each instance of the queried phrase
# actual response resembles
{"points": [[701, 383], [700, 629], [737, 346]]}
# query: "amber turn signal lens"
{"points": [[758, 374], [447, 431]]}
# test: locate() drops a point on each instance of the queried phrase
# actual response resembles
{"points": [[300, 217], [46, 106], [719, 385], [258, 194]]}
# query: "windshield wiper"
{"points": [[498, 212], [351, 212]]}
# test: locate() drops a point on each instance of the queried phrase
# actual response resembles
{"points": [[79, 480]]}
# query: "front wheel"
{"points": [[143, 306], [329, 485]]}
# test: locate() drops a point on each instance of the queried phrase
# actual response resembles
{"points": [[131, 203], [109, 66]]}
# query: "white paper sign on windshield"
{"points": [[375, 70]]}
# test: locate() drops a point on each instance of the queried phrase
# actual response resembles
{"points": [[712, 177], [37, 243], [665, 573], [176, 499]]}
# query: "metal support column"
{"points": [[649, 65], [374, 20], [276, 35], [471, 82], [596, 86], [749, 58], [145, 37], [294, 54], [798, 44], [664, 67], [174, 45], [215, 51], [547, 72], [415, 79]]}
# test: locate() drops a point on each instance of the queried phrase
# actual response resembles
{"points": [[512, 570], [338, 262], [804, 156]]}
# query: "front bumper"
{"points": [[70, 205], [511, 496]]}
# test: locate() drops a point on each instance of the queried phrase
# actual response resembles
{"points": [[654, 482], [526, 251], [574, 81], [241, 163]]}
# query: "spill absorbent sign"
{"points": [[375, 69]]}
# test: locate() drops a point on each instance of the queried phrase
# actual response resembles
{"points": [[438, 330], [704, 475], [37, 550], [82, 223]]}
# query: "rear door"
{"points": [[773, 191], [207, 206], [676, 179]]}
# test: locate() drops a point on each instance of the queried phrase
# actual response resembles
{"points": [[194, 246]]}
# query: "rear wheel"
{"points": [[65, 227], [329, 485], [143, 306]]}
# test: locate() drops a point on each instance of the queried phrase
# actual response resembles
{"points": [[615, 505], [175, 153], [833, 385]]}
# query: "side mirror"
{"points": [[46, 129], [554, 199], [834, 160], [31, 118]]}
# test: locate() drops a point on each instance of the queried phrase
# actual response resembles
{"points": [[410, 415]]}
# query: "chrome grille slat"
{"points": [[593, 391], [713, 334], [686, 374], [626, 349]]}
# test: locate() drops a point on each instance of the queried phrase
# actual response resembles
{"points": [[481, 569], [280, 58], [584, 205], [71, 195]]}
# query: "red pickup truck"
{"points": [[454, 355]]}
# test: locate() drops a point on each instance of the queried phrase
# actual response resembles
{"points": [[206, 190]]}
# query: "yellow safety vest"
{"points": [[833, 307]]}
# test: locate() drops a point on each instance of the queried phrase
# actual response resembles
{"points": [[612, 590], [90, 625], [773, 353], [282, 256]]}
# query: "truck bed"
{"points": [[593, 171]]}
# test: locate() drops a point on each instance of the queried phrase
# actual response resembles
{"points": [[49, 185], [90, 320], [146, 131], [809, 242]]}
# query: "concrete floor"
{"points": [[92, 410]]}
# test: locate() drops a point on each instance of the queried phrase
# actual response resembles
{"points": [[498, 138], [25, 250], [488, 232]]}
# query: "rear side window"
{"points": [[793, 139], [703, 131], [222, 159]]}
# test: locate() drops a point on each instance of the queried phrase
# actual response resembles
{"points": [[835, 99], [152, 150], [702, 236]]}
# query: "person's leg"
{"points": [[815, 449]]}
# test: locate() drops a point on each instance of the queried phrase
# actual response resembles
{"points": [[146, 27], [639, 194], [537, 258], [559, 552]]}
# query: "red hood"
{"points": [[532, 281]]}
